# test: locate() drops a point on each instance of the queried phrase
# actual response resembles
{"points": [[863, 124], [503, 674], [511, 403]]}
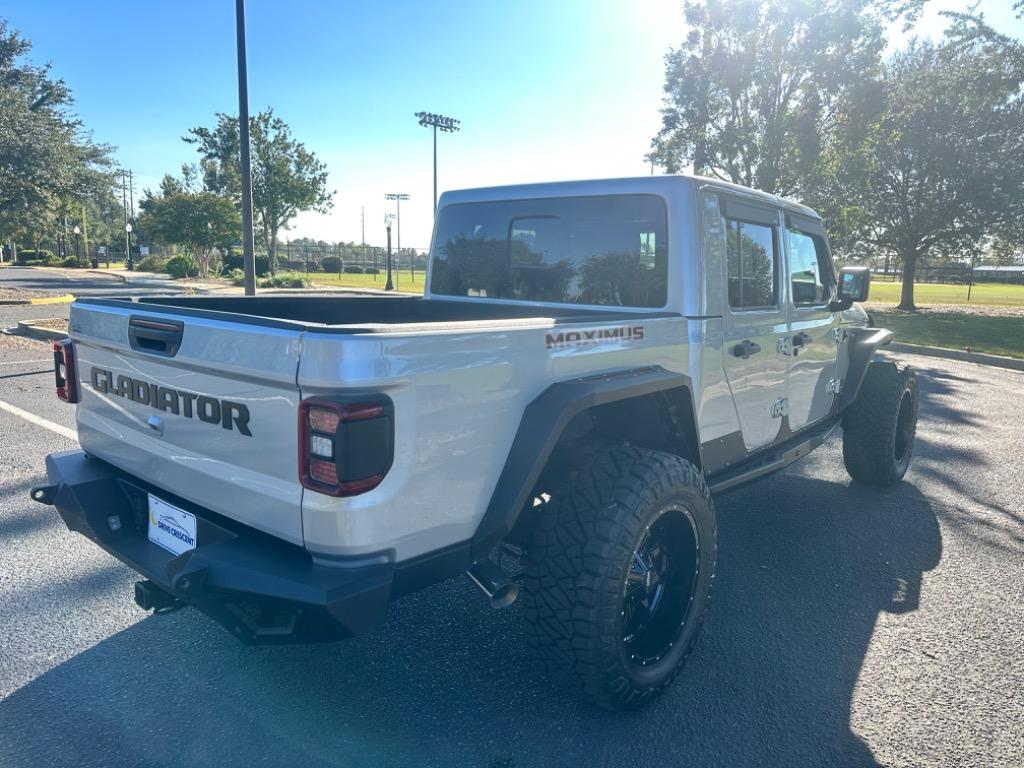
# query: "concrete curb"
{"points": [[64, 298], [27, 328], [107, 273], [998, 361]]}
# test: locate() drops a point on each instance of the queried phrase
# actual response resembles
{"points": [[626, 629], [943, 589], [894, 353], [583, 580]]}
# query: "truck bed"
{"points": [[366, 314]]}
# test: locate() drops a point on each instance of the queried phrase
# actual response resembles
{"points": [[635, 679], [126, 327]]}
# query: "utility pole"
{"points": [[447, 125], [245, 165]]}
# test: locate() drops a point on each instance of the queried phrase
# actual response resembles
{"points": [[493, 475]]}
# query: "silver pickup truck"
{"points": [[590, 362]]}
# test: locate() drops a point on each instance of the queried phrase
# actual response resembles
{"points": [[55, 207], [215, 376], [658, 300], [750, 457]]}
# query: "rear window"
{"points": [[609, 250]]}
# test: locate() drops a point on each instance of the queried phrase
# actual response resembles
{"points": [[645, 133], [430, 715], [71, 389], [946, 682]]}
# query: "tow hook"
{"points": [[150, 597], [495, 583], [44, 494]]}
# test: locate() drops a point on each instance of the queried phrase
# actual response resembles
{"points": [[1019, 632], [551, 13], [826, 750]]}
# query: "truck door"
{"points": [[756, 321], [812, 344]]}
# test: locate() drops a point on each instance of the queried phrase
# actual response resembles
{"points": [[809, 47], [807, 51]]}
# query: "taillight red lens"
{"points": [[64, 370], [344, 448]]}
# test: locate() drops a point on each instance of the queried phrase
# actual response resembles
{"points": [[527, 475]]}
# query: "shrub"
{"points": [[353, 270], [71, 261], [181, 266], [331, 263], [285, 280], [235, 260], [151, 263], [313, 266], [371, 271], [30, 256]]}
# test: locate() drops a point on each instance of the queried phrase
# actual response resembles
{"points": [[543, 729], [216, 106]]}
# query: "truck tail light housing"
{"points": [[65, 371], [345, 446]]}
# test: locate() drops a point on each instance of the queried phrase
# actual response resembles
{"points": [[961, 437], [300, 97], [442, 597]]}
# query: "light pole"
{"points": [[78, 244], [248, 247], [389, 286], [129, 265], [447, 125], [398, 197]]}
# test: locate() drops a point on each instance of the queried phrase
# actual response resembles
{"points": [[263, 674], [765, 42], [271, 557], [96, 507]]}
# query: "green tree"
{"points": [[755, 85], [47, 161], [286, 177], [941, 165], [200, 221]]}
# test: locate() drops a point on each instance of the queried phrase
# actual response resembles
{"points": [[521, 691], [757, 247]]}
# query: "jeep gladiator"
{"points": [[589, 364]]}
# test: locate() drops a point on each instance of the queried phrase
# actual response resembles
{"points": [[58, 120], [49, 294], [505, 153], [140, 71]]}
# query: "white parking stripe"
{"points": [[24, 362], [40, 421]]}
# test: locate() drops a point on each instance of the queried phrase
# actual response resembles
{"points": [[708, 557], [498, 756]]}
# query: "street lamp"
{"points": [[447, 125], [388, 217], [129, 265], [78, 245], [398, 197]]}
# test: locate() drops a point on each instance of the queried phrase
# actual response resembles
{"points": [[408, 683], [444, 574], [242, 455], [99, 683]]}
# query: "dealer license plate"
{"points": [[171, 528]]}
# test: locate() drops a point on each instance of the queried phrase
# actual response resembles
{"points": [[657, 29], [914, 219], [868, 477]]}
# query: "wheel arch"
{"points": [[648, 407]]}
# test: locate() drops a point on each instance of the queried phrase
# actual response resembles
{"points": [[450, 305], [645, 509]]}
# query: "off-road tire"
{"points": [[879, 428], [578, 560]]}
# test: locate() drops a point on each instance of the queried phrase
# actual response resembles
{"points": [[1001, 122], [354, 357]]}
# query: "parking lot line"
{"points": [[39, 421]]}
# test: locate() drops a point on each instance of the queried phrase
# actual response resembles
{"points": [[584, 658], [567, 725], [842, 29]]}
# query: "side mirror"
{"points": [[854, 284]]}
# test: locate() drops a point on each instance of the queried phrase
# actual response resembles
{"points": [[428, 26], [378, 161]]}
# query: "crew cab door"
{"points": [[756, 319], [812, 345]]}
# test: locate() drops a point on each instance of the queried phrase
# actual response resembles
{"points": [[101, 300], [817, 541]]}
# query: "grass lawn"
{"points": [[402, 280], [994, 334], [996, 294]]}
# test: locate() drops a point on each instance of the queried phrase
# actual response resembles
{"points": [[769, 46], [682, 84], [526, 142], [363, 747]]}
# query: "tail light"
{"points": [[345, 447], [65, 371]]}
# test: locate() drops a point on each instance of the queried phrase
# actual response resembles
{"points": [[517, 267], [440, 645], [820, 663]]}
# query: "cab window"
{"points": [[753, 264], [809, 268]]}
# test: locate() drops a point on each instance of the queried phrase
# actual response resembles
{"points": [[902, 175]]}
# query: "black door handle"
{"points": [[159, 337], [802, 339], [745, 349]]}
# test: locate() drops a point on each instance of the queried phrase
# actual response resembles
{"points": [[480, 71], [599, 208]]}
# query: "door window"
{"points": [[753, 265], [809, 268]]}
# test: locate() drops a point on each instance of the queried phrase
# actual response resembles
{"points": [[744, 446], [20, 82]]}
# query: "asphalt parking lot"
{"points": [[849, 627]]}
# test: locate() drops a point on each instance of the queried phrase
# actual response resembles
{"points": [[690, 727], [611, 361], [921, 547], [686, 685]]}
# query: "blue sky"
{"points": [[545, 90]]}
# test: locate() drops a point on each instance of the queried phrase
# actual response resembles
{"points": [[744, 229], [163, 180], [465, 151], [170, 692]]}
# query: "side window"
{"points": [[753, 264], [809, 268]]}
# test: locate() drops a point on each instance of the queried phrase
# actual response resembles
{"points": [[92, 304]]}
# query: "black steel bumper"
{"points": [[262, 589]]}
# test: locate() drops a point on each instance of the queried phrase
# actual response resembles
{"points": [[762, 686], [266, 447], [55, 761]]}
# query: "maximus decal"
{"points": [[565, 339], [209, 409]]}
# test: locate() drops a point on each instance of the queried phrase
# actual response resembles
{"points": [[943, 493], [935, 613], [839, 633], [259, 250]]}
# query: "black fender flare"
{"points": [[543, 422], [863, 345]]}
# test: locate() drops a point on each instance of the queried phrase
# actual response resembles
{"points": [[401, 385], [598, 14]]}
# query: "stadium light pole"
{"points": [[447, 125], [398, 197], [245, 165], [389, 286]]}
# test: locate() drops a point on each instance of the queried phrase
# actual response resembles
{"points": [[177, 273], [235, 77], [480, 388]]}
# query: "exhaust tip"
{"points": [[495, 583]]}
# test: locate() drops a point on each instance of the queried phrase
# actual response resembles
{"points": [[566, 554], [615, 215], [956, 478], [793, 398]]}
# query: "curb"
{"points": [[107, 273], [65, 298], [981, 358], [26, 328]]}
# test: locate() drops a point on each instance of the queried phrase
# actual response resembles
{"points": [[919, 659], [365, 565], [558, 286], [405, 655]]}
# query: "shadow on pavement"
{"points": [[805, 568]]}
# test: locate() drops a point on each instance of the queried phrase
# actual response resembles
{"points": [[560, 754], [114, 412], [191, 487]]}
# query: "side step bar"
{"points": [[772, 460]]}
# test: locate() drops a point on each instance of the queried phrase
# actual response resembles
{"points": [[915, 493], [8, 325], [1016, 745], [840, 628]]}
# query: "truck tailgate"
{"points": [[206, 409]]}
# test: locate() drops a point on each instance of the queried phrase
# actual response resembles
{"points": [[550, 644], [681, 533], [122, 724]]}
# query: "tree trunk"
{"points": [[907, 289]]}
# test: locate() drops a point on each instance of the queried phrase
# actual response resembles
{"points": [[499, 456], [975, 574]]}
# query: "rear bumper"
{"points": [[263, 590]]}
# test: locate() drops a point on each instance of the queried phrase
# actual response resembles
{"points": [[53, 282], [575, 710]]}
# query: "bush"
{"points": [[41, 256], [313, 266], [235, 260], [331, 263], [152, 264], [72, 262], [371, 271], [285, 280], [352, 270], [181, 266]]}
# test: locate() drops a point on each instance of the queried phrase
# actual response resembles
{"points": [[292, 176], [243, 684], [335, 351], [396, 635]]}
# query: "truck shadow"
{"points": [[805, 569]]}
